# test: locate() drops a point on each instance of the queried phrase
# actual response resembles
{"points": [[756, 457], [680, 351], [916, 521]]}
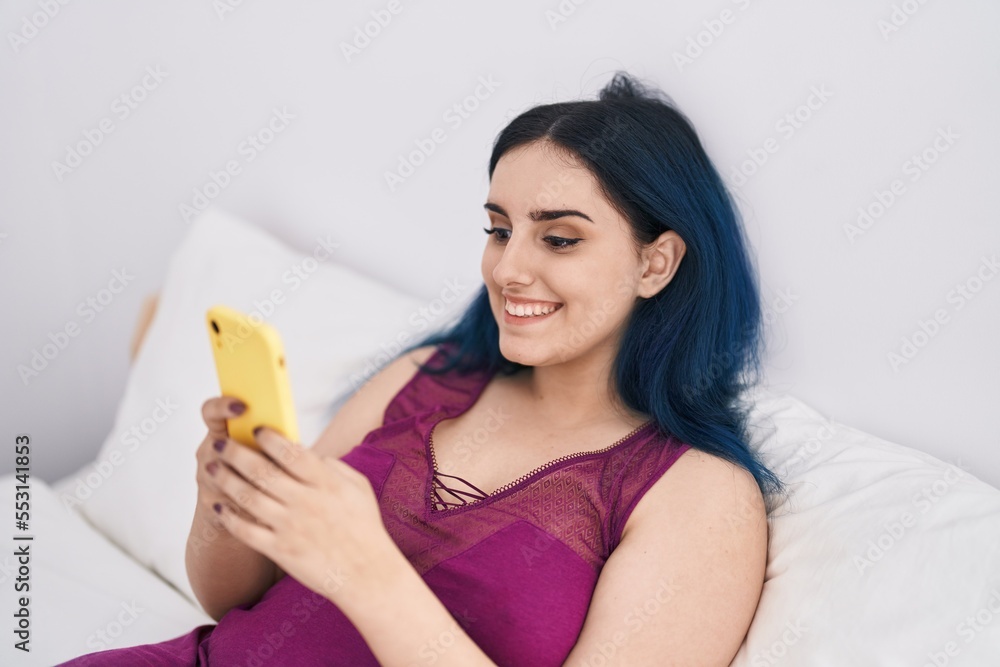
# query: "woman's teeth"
{"points": [[529, 310]]}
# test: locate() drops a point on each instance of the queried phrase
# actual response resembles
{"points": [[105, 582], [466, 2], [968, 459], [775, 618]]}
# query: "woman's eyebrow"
{"points": [[539, 215]]}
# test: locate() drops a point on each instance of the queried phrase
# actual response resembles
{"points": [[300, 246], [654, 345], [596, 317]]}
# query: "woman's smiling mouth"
{"points": [[528, 311]]}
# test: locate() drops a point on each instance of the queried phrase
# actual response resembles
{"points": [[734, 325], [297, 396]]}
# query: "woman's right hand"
{"points": [[223, 571], [214, 412]]}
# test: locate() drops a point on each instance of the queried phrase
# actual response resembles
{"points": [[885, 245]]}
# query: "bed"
{"points": [[882, 555]]}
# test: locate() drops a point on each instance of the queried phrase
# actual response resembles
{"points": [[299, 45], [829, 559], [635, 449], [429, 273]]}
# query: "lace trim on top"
{"points": [[442, 503]]}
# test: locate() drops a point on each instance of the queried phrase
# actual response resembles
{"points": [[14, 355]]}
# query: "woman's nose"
{"points": [[514, 264]]}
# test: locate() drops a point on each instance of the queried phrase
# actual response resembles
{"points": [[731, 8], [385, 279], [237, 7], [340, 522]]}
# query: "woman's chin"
{"points": [[531, 353], [522, 352]]}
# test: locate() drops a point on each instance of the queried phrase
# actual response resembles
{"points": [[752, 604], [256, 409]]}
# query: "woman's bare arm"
{"points": [[683, 585]]}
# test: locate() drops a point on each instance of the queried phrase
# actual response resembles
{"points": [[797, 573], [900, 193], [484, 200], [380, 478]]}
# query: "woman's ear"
{"points": [[660, 261]]}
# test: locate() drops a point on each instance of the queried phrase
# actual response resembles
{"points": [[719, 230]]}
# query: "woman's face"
{"points": [[560, 244]]}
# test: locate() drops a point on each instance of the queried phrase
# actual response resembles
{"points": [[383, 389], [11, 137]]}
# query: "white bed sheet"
{"points": [[82, 585]]}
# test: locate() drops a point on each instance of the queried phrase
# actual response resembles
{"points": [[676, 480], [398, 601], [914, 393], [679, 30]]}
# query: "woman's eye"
{"points": [[556, 242], [498, 233], [559, 242]]}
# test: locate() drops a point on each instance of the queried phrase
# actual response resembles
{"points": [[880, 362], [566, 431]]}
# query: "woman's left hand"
{"points": [[319, 518]]}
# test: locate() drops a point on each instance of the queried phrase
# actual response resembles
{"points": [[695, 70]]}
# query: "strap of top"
{"points": [[647, 464], [426, 392]]}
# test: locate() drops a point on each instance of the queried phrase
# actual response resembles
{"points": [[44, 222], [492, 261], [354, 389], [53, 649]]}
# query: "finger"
{"points": [[299, 462], [208, 488], [209, 499], [215, 412], [259, 537], [248, 497], [257, 469]]}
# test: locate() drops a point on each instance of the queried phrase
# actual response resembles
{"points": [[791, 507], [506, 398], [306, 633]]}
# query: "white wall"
{"points": [[847, 304]]}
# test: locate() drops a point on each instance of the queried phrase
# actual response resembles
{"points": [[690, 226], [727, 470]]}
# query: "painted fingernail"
{"points": [[217, 507], [211, 467], [219, 444], [237, 407]]}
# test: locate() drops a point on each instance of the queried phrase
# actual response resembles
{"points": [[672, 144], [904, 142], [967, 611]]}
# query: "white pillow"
{"points": [[882, 555], [337, 326]]}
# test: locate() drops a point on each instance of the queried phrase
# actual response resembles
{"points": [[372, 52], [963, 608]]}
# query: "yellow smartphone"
{"points": [[250, 363]]}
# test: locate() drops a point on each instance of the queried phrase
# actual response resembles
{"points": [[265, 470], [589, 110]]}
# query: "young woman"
{"points": [[561, 477]]}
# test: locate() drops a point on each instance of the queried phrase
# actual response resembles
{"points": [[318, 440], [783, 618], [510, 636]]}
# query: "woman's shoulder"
{"points": [[442, 387], [703, 485], [367, 407], [400, 372]]}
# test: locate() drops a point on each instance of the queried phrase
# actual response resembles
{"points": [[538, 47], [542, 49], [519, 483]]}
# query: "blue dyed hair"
{"points": [[689, 351]]}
